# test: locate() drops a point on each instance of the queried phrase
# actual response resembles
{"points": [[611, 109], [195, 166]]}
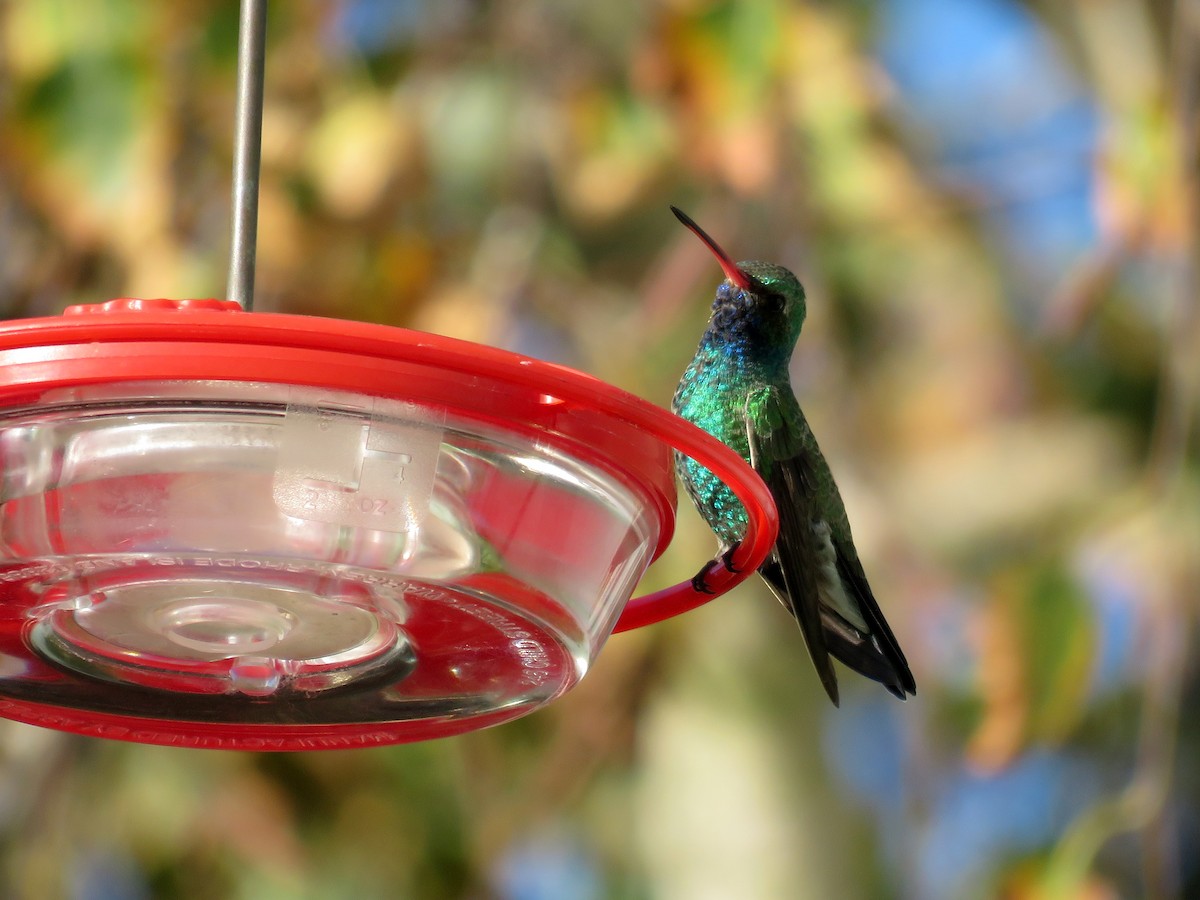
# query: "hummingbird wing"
{"points": [[786, 468], [810, 549]]}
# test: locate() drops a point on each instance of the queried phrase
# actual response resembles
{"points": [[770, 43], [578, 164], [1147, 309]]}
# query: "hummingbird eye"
{"points": [[773, 299]]}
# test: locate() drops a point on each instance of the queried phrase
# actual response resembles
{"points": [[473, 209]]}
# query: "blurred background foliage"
{"points": [[993, 205]]}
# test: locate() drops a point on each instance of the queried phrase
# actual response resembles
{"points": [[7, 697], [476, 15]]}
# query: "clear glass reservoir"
{"points": [[243, 530], [229, 552]]}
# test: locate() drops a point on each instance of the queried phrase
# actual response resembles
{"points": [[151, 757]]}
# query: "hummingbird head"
{"points": [[760, 306]]}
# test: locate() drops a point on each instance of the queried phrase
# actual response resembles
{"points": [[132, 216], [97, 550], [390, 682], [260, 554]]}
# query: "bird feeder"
{"points": [[225, 528]]}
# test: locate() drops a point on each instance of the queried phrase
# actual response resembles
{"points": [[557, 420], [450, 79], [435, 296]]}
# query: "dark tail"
{"points": [[875, 654]]}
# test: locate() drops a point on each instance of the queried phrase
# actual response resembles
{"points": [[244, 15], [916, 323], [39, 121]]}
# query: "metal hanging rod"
{"points": [[247, 150]]}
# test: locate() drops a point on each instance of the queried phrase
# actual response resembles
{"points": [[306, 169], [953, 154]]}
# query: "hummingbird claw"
{"points": [[700, 580], [727, 559]]}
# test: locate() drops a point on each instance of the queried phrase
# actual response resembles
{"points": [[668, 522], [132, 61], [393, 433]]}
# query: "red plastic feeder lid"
{"points": [[264, 531]]}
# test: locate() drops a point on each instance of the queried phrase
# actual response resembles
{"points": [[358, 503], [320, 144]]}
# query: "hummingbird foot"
{"points": [[700, 579]]}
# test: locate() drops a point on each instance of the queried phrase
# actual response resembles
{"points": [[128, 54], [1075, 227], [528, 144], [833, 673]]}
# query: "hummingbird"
{"points": [[737, 388]]}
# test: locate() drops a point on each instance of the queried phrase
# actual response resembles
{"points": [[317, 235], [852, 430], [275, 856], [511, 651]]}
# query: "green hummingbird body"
{"points": [[737, 388]]}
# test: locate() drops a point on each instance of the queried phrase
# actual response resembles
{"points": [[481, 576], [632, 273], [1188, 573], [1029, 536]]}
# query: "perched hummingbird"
{"points": [[737, 388]]}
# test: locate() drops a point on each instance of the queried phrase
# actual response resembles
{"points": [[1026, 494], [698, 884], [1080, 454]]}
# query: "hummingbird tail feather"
{"points": [[874, 654], [879, 646], [863, 653]]}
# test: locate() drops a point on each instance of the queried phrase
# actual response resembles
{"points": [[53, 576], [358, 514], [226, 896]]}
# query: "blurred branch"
{"points": [[1141, 805], [1177, 399], [1078, 295]]}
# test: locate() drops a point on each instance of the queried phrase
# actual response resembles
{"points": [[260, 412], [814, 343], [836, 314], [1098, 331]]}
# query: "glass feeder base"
{"points": [[290, 660], [267, 567]]}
